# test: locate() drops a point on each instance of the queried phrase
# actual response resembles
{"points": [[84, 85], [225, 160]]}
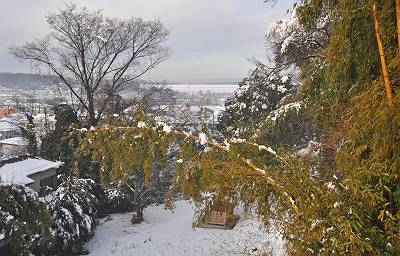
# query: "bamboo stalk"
{"points": [[398, 22], [388, 86]]}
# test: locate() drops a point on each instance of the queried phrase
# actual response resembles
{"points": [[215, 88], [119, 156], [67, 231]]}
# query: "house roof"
{"points": [[18, 172], [16, 141], [215, 108], [8, 124]]}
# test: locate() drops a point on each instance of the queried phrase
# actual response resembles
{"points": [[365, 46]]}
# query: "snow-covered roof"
{"points": [[8, 124], [18, 173], [42, 117], [215, 108], [17, 141], [194, 109]]}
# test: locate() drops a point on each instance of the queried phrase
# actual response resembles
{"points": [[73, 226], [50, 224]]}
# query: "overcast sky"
{"points": [[210, 39]]}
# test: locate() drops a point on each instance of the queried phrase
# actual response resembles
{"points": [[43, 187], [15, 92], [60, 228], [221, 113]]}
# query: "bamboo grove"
{"points": [[346, 200]]}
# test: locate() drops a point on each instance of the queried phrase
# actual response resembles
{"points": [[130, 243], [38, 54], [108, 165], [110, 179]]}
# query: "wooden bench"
{"points": [[220, 220]]}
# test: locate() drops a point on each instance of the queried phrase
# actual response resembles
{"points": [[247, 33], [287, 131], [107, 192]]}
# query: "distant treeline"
{"points": [[30, 81], [25, 80]]}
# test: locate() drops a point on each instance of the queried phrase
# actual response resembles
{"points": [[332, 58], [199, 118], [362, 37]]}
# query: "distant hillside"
{"points": [[33, 81], [23, 80]]}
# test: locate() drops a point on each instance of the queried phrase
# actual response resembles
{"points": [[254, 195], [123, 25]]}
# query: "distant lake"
{"points": [[196, 88]]}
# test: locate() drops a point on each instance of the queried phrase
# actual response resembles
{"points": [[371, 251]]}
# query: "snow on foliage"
{"points": [[257, 95], [119, 198], [203, 138], [23, 219], [73, 209], [274, 115], [284, 31], [312, 149], [141, 124], [291, 41]]}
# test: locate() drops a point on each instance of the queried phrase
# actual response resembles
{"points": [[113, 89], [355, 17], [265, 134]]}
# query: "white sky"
{"points": [[210, 39]]}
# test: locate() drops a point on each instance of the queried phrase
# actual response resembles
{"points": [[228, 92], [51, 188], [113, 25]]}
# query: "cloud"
{"points": [[209, 38]]}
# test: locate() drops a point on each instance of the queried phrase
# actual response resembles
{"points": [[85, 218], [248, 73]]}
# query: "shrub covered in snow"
{"points": [[72, 207], [290, 125], [119, 198], [258, 95], [122, 196], [24, 220]]}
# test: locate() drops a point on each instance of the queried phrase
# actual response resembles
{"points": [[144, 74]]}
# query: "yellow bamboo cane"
{"points": [[388, 86], [398, 22]]}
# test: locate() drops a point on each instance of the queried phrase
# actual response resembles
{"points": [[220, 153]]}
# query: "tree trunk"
{"points": [[91, 112], [137, 216], [388, 86]]}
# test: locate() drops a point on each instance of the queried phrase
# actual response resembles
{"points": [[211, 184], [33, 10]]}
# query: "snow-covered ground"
{"points": [[171, 233]]}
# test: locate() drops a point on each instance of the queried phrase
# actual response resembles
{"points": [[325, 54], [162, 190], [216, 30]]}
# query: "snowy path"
{"points": [[167, 233]]}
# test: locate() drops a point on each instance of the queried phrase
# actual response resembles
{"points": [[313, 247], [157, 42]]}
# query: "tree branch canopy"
{"points": [[96, 56]]}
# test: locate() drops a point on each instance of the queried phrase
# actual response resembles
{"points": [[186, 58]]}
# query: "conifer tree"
{"points": [[29, 134], [25, 233], [257, 96]]}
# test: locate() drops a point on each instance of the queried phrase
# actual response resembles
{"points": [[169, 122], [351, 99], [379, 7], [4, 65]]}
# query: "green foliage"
{"points": [[292, 127], [72, 208], [60, 145], [352, 55], [256, 96], [65, 116], [25, 233], [29, 134], [347, 206], [122, 151], [370, 160]]}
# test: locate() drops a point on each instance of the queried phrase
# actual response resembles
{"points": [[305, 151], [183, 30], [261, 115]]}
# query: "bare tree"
{"points": [[96, 56]]}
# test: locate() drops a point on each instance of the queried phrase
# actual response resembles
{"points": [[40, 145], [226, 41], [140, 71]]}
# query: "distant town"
{"points": [[176, 103]]}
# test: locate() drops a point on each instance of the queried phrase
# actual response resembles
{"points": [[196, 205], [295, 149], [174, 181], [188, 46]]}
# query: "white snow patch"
{"points": [[141, 124], [284, 79], [312, 149], [170, 233], [330, 185], [16, 141], [269, 149], [167, 129], [203, 138], [282, 110]]}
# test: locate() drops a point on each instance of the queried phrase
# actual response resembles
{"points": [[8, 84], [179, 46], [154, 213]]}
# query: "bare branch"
{"points": [[92, 54]]}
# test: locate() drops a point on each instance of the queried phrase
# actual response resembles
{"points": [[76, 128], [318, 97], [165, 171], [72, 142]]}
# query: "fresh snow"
{"points": [[312, 149], [170, 233], [18, 173], [203, 138], [8, 124], [141, 124], [274, 115], [166, 128], [17, 141]]}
